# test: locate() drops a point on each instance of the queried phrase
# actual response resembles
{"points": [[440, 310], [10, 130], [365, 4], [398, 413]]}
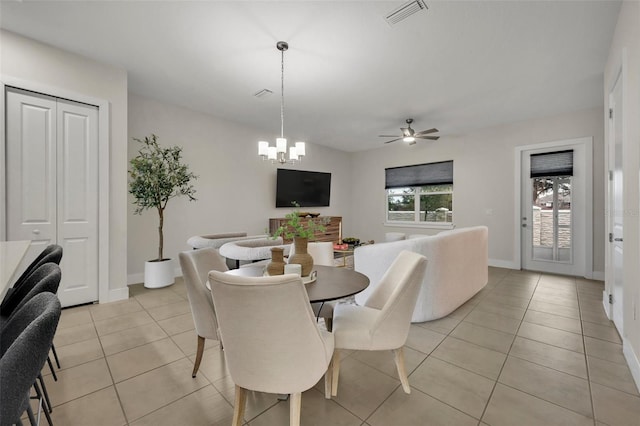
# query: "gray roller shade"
{"points": [[419, 175], [559, 163]]}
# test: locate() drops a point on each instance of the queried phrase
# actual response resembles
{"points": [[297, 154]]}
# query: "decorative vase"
{"points": [[276, 266], [158, 274], [300, 256]]}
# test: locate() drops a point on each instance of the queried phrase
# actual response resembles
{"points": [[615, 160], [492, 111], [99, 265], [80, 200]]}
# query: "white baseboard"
{"points": [[632, 361], [139, 277], [118, 294], [598, 275], [503, 264]]}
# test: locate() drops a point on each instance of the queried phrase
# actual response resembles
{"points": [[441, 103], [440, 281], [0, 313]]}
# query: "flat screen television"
{"points": [[309, 189]]}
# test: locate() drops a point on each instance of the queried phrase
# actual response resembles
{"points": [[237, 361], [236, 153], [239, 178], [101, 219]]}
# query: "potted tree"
{"points": [[157, 175]]}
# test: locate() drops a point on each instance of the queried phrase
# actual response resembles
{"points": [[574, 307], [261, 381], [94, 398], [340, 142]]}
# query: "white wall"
{"points": [[28, 60], [235, 188], [484, 178], [625, 52]]}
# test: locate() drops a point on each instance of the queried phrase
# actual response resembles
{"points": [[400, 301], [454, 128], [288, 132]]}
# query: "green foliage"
{"points": [[157, 175], [295, 228]]}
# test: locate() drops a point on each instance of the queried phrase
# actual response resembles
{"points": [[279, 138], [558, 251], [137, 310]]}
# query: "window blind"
{"points": [[419, 175], [559, 163]]}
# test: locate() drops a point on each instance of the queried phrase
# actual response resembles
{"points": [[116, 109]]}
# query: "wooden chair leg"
{"points": [[295, 403], [327, 380], [199, 353], [335, 361], [398, 355], [238, 406]]}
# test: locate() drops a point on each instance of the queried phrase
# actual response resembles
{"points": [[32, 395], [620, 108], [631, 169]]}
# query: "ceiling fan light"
{"points": [[409, 139], [300, 149]]}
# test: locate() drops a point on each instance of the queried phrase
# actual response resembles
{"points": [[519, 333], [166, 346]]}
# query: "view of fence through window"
{"points": [[435, 204], [551, 218]]}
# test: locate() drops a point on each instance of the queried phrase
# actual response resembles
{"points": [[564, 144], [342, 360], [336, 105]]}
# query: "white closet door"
{"points": [[31, 171], [77, 183], [52, 185]]}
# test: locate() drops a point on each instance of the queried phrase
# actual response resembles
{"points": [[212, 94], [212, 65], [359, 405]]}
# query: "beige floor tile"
{"points": [[559, 280], [158, 297], [509, 406], [178, 324], [204, 407], [508, 299], [569, 362], [170, 310], [556, 321], [76, 354], [462, 311], [130, 338], [100, 408], [141, 359], [257, 402], [74, 316], [552, 336], [423, 340], [494, 321], [114, 309], [569, 302], [617, 376], [188, 342], [384, 360], [460, 388], [122, 322], [150, 391], [500, 309], [485, 337], [78, 381], [418, 409], [442, 325], [315, 411], [552, 289], [471, 357], [615, 408], [213, 364], [604, 350], [593, 305], [361, 389], [602, 332], [71, 335], [545, 383], [598, 317], [551, 308]]}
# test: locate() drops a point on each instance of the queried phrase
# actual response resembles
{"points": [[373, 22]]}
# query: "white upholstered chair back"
{"points": [[271, 340], [322, 252], [196, 265]]}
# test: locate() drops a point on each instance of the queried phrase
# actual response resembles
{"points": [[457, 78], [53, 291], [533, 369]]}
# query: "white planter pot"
{"points": [[158, 274]]}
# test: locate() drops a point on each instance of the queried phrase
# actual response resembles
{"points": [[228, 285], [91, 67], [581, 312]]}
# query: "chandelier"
{"points": [[278, 153]]}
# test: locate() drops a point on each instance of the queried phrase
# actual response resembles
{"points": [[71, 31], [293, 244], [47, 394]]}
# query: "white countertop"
{"points": [[11, 254]]}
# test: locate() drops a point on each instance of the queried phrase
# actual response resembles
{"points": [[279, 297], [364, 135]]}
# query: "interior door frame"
{"points": [[103, 172], [587, 143]]}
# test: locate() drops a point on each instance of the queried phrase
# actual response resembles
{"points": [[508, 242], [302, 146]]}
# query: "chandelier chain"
{"points": [[282, 94]]}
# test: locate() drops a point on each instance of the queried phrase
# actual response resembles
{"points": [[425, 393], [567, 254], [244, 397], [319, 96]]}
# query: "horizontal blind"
{"points": [[559, 163], [419, 175]]}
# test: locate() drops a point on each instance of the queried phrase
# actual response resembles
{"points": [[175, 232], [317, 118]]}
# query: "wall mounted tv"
{"points": [[309, 189]]}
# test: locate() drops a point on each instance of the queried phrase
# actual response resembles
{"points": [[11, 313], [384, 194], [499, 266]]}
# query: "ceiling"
{"points": [[349, 76]]}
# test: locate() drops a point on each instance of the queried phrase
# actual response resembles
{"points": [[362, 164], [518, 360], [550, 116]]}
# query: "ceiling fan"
{"points": [[409, 135]]}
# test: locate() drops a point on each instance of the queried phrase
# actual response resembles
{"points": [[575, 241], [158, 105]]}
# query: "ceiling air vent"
{"points": [[263, 93], [404, 11]]}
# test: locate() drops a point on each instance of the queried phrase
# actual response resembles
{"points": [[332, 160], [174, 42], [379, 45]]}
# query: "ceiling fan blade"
{"points": [[426, 132], [431, 138], [387, 136], [393, 140]]}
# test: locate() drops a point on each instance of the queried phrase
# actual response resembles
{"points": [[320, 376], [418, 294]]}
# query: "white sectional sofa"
{"points": [[457, 268]]}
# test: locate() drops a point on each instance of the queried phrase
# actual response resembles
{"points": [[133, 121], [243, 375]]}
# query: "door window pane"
{"points": [[551, 218]]}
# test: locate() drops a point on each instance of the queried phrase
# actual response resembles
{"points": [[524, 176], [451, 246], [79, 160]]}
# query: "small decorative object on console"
{"points": [[353, 242]]}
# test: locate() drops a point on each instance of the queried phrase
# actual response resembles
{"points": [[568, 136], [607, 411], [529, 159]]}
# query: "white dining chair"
{"points": [[271, 341], [196, 265], [383, 322]]}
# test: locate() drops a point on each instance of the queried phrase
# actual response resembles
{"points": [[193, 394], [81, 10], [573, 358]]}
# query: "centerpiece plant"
{"points": [[157, 174]]}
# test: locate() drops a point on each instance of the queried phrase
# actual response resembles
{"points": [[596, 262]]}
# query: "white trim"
{"points": [[426, 225], [587, 142], [597, 275], [104, 293], [632, 361], [498, 263], [117, 294], [605, 304]]}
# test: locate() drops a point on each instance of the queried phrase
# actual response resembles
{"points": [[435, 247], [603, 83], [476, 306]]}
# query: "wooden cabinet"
{"points": [[332, 233]]}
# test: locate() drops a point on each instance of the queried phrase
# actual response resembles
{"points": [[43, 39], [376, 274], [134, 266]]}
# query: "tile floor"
{"points": [[529, 349]]}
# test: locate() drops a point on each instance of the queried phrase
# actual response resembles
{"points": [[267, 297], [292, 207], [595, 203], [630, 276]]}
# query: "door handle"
{"points": [[524, 225], [618, 240]]}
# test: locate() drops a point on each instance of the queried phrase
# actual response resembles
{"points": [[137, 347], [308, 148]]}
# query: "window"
{"points": [[420, 194]]}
